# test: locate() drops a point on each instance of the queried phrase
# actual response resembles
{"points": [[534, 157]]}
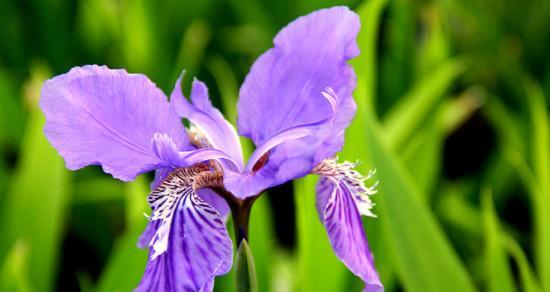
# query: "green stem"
{"points": [[240, 210]]}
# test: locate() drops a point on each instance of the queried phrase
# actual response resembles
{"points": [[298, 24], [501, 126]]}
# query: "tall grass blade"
{"points": [[126, 263], [410, 229], [499, 276], [36, 202], [529, 282], [540, 157], [406, 116]]}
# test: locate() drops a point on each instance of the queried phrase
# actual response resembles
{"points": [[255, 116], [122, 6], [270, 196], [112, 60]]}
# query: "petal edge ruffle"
{"points": [[101, 116]]}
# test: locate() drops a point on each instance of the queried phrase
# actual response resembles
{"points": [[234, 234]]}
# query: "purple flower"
{"points": [[294, 105]]}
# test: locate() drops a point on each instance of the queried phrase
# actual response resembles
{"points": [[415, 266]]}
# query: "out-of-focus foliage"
{"points": [[452, 111]]}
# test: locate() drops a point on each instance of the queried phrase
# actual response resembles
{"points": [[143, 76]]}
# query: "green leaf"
{"points": [[422, 155], [245, 269], [423, 151], [11, 119], [227, 85], [409, 227], [433, 48], [455, 209], [14, 274], [540, 152], [499, 276], [96, 190], [411, 110], [192, 48], [127, 262], [365, 64], [36, 202], [528, 279]]}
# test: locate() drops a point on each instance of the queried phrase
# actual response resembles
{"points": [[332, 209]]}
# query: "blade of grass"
{"points": [[95, 190], [127, 262], [137, 36], [192, 48], [253, 12], [36, 202], [227, 85], [423, 151], [499, 276], [456, 210], [410, 229], [434, 45], [541, 214], [541, 167], [529, 282], [422, 155], [12, 118], [365, 64], [14, 274], [406, 116]]}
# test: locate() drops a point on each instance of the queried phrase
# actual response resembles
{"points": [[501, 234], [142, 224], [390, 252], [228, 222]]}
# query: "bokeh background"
{"points": [[453, 114]]}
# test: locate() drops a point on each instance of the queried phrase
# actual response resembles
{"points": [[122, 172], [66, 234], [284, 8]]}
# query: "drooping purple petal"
{"points": [[342, 220], [214, 200], [283, 88], [199, 248], [148, 233], [208, 195], [99, 116], [190, 244], [209, 120]]}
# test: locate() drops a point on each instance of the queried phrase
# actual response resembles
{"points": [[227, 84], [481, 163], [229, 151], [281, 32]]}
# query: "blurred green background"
{"points": [[453, 114]]}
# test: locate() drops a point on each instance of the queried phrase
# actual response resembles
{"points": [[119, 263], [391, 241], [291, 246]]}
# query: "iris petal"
{"points": [[283, 88], [167, 152], [210, 121], [190, 245], [280, 166], [341, 218], [99, 116]]}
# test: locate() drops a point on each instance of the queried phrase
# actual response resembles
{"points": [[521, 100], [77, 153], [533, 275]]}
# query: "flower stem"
{"points": [[240, 210]]}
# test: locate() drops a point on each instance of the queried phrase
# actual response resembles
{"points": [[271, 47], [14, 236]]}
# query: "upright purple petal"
{"points": [[340, 216], [210, 121], [283, 88], [304, 80], [99, 116], [344, 111]]}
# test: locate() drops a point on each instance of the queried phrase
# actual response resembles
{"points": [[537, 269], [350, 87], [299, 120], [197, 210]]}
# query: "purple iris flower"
{"points": [[294, 105]]}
